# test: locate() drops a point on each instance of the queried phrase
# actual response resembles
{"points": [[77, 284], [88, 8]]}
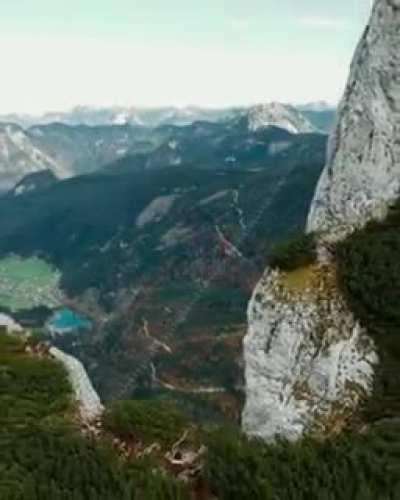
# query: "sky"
{"points": [[56, 54]]}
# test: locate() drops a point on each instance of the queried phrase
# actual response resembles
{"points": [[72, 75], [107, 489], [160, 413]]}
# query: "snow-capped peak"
{"points": [[280, 115]]}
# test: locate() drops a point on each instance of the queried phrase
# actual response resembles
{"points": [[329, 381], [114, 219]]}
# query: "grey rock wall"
{"points": [[307, 360], [362, 174]]}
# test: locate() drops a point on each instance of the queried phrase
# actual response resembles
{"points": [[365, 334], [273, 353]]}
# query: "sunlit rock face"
{"points": [[87, 399], [363, 168], [279, 115], [308, 363]]}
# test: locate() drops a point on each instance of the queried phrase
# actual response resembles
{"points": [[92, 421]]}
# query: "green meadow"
{"points": [[28, 283]]}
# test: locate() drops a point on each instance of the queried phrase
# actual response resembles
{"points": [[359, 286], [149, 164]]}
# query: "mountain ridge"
{"points": [[81, 149], [148, 117]]}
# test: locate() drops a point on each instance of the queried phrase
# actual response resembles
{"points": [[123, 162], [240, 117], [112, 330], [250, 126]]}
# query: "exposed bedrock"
{"points": [[362, 174], [308, 362]]}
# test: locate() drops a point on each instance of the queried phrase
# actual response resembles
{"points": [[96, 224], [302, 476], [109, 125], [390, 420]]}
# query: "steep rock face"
{"points": [[20, 156], [89, 403], [363, 168], [64, 150], [308, 361]]}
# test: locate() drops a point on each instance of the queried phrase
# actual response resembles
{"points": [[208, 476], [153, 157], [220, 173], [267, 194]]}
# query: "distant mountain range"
{"points": [[65, 150], [86, 139], [151, 117], [93, 117]]}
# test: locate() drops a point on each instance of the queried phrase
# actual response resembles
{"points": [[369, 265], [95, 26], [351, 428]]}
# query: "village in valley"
{"points": [[28, 283]]}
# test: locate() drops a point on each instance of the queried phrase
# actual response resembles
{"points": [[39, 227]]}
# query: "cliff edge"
{"points": [[308, 361], [362, 174]]}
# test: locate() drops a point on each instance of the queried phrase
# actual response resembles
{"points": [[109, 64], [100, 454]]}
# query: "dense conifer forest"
{"points": [[297, 251], [348, 467], [43, 455], [369, 270]]}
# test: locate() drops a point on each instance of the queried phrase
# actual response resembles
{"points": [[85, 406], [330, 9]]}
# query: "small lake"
{"points": [[66, 320]]}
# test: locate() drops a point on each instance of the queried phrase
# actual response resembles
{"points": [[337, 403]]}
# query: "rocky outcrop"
{"points": [[89, 403], [19, 156], [362, 174], [9, 324], [308, 362], [279, 115]]}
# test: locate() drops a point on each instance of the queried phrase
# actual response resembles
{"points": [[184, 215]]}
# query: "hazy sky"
{"points": [[59, 53]]}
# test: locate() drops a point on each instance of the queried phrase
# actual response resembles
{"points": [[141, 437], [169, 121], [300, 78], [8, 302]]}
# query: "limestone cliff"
{"points": [[308, 362], [363, 168], [87, 399]]}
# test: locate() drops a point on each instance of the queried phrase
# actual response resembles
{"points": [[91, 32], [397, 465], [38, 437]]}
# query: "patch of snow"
{"points": [[278, 115]]}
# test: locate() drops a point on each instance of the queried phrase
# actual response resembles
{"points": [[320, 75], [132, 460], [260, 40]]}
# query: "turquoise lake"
{"points": [[66, 320]]}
